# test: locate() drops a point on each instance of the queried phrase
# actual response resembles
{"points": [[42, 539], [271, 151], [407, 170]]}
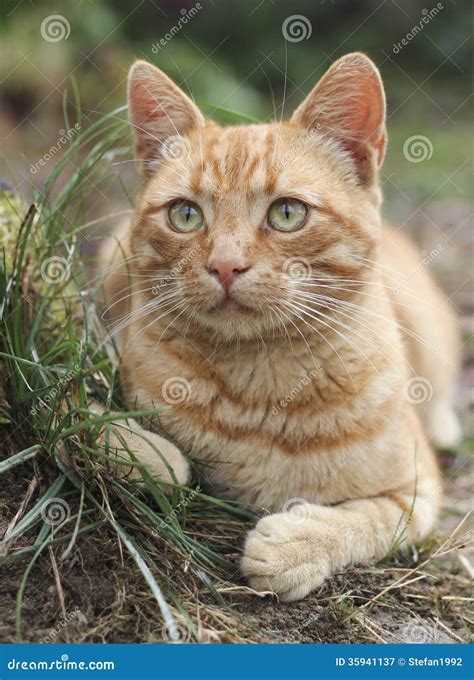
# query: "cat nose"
{"points": [[226, 271]]}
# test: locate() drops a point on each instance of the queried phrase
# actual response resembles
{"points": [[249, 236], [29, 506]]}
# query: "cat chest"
{"points": [[206, 409], [259, 445], [242, 456]]}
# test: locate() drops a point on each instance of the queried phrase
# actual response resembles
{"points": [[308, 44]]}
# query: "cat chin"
{"points": [[233, 326], [231, 306]]}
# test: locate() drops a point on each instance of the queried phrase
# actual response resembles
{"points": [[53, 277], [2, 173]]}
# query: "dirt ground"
{"points": [[101, 597]]}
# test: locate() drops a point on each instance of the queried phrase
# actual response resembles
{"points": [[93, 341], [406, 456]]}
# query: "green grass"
{"points": [[443, 174], [52, 352]]}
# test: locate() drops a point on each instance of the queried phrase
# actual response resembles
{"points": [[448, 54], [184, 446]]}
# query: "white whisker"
{"points": [[322, 336], [320, 315]]}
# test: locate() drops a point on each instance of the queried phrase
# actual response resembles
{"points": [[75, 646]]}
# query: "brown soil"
{"points": [[106, 600]]}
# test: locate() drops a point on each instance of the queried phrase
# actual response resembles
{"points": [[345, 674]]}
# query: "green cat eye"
{"points": [[287, 214], [185, 216]]}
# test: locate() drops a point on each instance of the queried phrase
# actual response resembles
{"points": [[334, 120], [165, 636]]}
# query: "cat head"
{"points": [[238, 224]]}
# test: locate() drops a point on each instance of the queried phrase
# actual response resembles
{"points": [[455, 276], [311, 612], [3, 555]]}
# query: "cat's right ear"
{"points": [[348, 104], [158, 110]]}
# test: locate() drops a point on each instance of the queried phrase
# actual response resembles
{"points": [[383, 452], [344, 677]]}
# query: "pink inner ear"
{"points": [[145, 107], [366, 128], [150, 109], [158, 110], [154, 98], [380, 147], [349, 104]]}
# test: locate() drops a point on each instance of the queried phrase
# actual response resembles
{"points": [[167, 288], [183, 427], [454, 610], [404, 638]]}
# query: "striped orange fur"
{"points": [[280, 360]]}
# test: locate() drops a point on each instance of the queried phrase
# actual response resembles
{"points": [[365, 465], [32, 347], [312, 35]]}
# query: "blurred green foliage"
{"points": [[230, 46], [234, 55]]}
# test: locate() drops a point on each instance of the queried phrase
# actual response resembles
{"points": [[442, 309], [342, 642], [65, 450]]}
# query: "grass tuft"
{"points": [[53, 363]]}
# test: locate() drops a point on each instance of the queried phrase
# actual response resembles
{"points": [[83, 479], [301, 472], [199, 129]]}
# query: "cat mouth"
{"points": [[230, 304]]}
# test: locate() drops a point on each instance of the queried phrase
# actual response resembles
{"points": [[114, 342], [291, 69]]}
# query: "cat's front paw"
{"points": [[163, 460], [128, 440], [287, 556]]}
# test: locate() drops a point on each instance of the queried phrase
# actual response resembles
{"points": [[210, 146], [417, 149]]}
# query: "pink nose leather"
{"points": [[226, 271]]}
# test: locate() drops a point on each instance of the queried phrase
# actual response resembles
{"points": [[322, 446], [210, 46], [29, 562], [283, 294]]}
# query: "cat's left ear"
{"points": [[158, 110], [348, 104]]}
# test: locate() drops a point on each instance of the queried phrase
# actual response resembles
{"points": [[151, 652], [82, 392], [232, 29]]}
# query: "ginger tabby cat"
{"points": [[280, 327]]}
